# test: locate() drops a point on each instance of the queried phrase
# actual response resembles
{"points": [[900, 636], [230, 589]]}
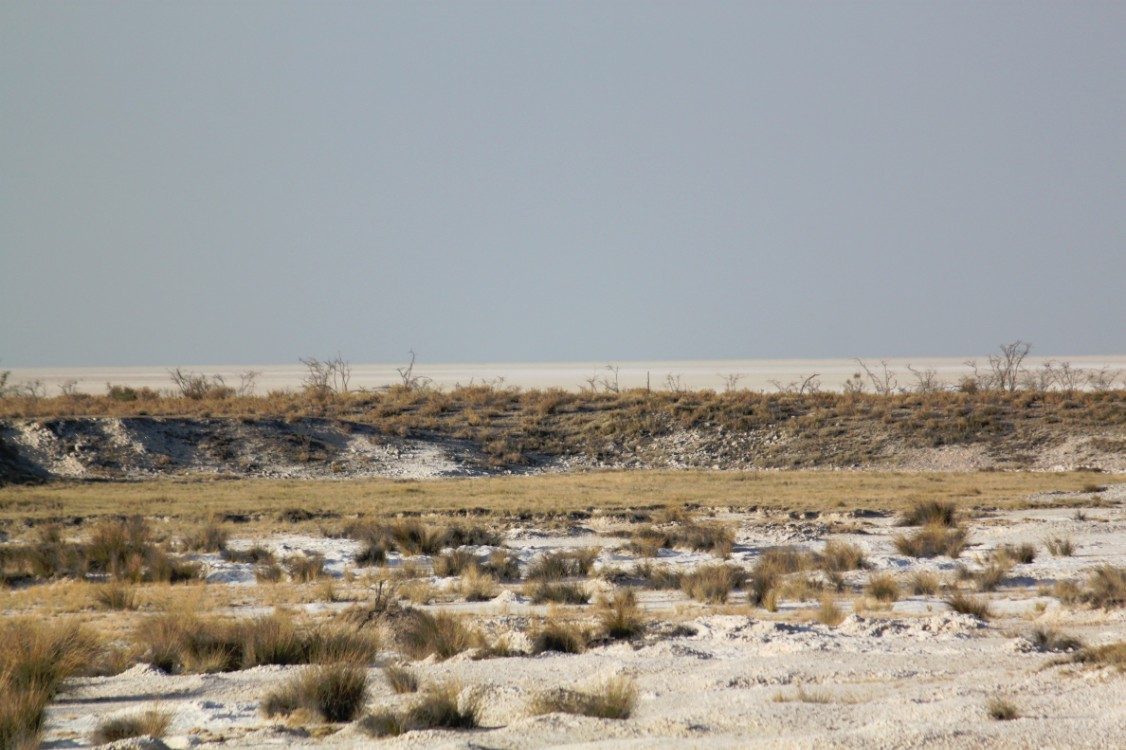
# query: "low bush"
{"points": [[1001, 709]]}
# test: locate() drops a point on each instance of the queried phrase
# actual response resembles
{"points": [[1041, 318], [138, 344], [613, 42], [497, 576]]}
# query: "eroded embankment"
{"points": [[311, 447]]}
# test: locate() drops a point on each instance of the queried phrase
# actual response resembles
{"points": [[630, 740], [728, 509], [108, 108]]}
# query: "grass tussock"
{"points": [[422, 634], [617, 699], [1060, 546], [683, 533], [970, 605], [211, 537], [829, 613], [992, 575], [255, 555], [414, 537], [931, 541], [1001, 709], [116, 596], [557, 592], [769, 571], [1106, 655], [1050, 640], [454, 563], [931, 512], [562, 636], [153, 723], [883, 587], [554, 566], [35, 658], [1019, 554], [619, 616], [712, 584], [181, 643], [478, 586], [400, 679], [442, 706], [1106, 587], [657, 576], [924, 583], [305, 568], [331, 692], [840, 557]]}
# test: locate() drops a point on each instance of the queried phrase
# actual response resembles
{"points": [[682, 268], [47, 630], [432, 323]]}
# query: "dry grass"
{"points": [[617, 699], [478, 586], [35, 658], [116, 596], [152, 722], [1052, 641], [443, 635], [1020, 554], [562, 636], [305, 568], [970, 605], [924, 583], [803, 695], [829, 613], [1106, 587], [931, 512], [712, 584], [454, 563], [619, 615], [932, 541], [771, 567], [1107, 655], [333, 693], [840, 557], [553, 566], [1060, 546], [556, 593], [883, 587], [789, 491], [438, 707], [1001, 709], [400, 679]]}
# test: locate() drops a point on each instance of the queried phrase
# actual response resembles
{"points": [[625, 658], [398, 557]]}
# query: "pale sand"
{"points": [[917, 675], [753, 374]]}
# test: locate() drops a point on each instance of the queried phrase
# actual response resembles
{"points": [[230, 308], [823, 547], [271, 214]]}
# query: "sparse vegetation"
{"points": [[152, 722], [438, 707], [400, 678], [924, 583], [557, 634], [1060, 546], [931, 541], [931, 512], [421, 634], [1106, 587], [615, 700], [712, 583], [970, 605], [883, 587], [1051, 640], [332, 692], [619, 615], [1002, 709]]}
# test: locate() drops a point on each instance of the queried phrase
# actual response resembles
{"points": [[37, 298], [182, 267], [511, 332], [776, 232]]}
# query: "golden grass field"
{"points": [[796, 491]]}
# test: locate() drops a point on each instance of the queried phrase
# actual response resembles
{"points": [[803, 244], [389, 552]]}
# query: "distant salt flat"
{"points": [[750, 374]]}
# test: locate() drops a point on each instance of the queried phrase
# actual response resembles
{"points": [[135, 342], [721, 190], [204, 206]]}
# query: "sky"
{"points": [[256, 182]]}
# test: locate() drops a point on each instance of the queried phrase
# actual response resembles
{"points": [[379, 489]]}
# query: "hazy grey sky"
{"points": [[251, 182]]}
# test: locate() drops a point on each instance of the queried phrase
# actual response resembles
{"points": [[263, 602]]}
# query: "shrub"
{"points": [[334, 693], [712, 583], [931, 512], [1001, 709], [617, 699], [931, 541], [619, 615], [153, 723], [883, 587], [970, 605]]}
